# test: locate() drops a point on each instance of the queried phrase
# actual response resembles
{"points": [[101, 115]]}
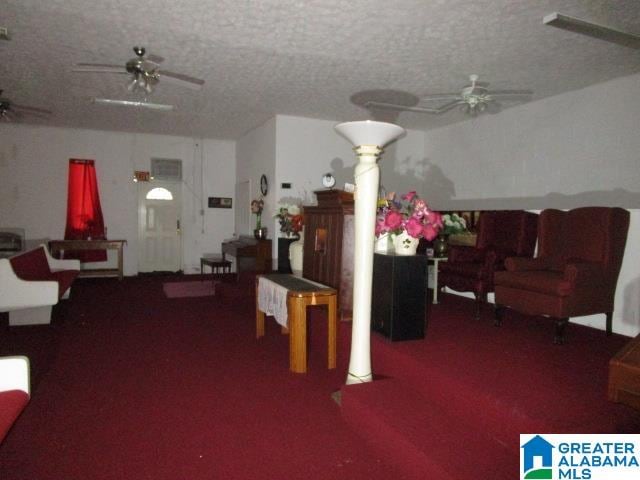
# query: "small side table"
{"points": [[434, 261], [216, 263]]}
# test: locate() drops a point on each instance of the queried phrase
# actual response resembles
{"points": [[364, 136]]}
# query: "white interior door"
{"points": [[159, 234]]}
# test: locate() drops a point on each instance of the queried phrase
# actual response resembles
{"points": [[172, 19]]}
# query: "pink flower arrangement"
{"points": [[408, 213]]}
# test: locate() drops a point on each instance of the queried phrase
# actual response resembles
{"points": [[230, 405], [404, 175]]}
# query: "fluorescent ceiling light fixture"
{"points": [[594, 30], [129, 103]]}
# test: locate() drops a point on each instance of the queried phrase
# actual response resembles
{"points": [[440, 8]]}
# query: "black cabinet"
{"points": [[399, 297]]}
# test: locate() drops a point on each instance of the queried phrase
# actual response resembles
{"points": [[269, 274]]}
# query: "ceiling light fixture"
{"points": [[4, 33], [129, 103], [594, 30]]}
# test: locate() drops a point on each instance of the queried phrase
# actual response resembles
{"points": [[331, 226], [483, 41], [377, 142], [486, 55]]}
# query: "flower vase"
{"points": [[440, 246], [382, 243], [405, 244], [260, 233], [296, 255]]}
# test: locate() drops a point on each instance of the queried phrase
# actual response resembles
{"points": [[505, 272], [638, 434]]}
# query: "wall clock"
{"points": [[264, 185], [328, 180]]}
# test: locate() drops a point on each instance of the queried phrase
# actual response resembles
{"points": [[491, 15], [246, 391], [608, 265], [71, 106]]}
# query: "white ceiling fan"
{"points": [[10, 111], [145, 72], [474, 98]]}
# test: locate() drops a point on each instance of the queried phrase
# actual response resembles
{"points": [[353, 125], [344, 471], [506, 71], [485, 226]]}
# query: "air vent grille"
{"points": [[166, 169]]}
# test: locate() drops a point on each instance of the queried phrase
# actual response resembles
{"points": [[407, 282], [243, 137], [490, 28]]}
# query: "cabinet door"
{"points": [[382, 295], [323, 248], [410, 293]]}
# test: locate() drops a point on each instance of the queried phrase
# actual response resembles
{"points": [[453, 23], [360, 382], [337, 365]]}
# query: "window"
{"points": [[159, 193], [84, 214]]}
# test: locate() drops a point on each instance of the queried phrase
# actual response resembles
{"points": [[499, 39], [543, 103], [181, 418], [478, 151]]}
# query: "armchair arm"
{"points": [[57, 264], [14, 374], [16, 293], [515, 264], [463, 253], [585, 273]]}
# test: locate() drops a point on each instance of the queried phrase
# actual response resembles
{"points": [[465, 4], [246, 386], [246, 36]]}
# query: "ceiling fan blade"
{"points": [[404, 108], [150, 66], [441, 96], [182, 80], [508, 97], [98, 68], [594, 30], [31, 110], [494, 93], [157, 59], [129, 103], [448, 106]]}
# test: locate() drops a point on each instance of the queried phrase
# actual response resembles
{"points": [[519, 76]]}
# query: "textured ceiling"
{"points": [[306, 58]]}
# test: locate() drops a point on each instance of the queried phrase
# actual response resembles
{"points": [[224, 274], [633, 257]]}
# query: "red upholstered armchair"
{"points": [[501, 234], [575, 273]]}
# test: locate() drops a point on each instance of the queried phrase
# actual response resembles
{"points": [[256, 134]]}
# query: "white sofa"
{"points": [[14, 390], [29, 301]]}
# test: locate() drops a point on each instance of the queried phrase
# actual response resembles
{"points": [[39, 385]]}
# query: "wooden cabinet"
{"points": [[251, 254], [399, 296], [329, 245]]}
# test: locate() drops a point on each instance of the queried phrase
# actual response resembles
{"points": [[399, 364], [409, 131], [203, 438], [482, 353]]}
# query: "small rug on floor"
{"points": [[205, 288]]}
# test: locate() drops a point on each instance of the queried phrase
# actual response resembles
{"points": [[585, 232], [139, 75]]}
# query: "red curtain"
{"points": [[84, 214]]}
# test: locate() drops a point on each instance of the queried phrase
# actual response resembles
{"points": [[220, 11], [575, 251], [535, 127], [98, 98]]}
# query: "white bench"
{"points": [[29, 291]]}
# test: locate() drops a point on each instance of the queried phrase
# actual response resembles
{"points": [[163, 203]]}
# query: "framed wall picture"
{"points": [[220, 202]]}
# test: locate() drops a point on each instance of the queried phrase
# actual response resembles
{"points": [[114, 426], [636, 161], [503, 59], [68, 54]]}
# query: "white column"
{"points": [[369, 138], [367, 177]]}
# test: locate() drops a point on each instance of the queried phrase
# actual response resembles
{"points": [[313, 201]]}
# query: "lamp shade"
{"points": [[368, 132]]}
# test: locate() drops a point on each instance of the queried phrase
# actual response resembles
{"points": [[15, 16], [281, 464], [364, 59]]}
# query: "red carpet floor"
{"points": [[453, 406], [128, 384]]}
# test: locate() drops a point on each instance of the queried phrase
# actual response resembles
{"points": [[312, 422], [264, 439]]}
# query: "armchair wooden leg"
{"points": [[609, 323], [499, 315], [561, 324], [479, 299]]}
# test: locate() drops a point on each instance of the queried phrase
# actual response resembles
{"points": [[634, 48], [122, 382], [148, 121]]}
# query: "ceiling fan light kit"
{"points": [[591, 29]]}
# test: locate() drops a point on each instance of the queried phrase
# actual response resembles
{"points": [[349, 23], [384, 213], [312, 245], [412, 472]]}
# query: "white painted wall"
{"points": [[33, 190], [308, 148], [256, 156], [576, 149]]}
